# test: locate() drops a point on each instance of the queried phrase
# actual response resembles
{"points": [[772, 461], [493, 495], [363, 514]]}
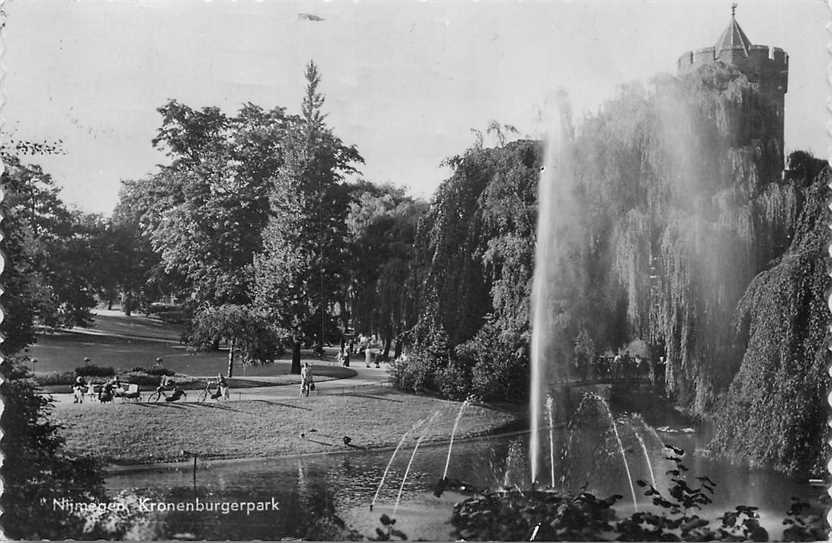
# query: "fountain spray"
{"points": [[412, 456], [607, 409], [549, 407], [453, 432], [554, 215], [392, 457], [646, 456]]}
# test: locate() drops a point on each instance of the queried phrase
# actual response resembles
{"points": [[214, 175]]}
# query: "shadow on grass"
{"points": [[270, 402], [319, 442], [221, 407], [160, 404], [370, 396]]}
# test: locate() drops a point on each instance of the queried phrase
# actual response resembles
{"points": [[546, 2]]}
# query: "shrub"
{"points": [[499, 365], [55, 378], [545, 515], [141, 378], [415, 373], [159, 371], [92, 370], [455, 381]]}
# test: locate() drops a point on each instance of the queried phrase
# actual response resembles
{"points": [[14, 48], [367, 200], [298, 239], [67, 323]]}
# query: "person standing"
{"points": [[223, 386], [78, 389], [305, 380], [368, 353]]}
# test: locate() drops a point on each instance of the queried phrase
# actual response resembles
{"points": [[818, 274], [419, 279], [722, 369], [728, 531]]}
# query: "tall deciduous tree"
{"points": [[51, 254], [300, 273], [382, 224], [205, 212]]}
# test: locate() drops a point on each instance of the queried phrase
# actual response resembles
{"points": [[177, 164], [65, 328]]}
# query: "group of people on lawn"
{"points": [[110, 389], [369, 345], [114, 388]]}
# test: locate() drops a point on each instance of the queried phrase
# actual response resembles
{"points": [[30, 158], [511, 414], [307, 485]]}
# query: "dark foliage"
{"points": [[157, 371], [91, 370], [35, 468], [545, 515], [774, 413]]}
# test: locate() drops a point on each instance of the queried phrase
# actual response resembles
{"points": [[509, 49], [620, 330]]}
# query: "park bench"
{"points": [[131, 393]]}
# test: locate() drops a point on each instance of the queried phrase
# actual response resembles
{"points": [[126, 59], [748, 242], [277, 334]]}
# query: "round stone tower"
{"points": [[767, 69]]}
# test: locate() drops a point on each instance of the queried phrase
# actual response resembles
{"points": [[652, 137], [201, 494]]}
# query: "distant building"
{"points": [[767, 69]]}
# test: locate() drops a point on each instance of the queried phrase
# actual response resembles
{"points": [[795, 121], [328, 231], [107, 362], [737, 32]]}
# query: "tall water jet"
{"points": [[392, 457], [553, 209], [549, 407], [410, 462], [453, 433]]}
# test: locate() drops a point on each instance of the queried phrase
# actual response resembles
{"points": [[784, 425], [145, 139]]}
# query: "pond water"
{"points": [[322, 496]]}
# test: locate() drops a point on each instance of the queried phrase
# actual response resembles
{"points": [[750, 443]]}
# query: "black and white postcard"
{"points": [[415, 270]]}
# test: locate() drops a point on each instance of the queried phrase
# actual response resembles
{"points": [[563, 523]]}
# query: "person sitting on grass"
{"points": [[117, 386], [106, 393]]}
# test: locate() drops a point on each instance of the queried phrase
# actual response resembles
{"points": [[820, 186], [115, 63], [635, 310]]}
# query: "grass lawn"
{"points": [[66, 351], [116, 322], [144, 433], [148, 339]]}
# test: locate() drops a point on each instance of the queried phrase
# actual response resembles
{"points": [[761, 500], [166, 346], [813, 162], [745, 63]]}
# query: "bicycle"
{"points": [[207, 392], [178, 394]]}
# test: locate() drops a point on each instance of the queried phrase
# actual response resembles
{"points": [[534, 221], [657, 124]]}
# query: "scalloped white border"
{"points": [[829, 267], [3, 19]]}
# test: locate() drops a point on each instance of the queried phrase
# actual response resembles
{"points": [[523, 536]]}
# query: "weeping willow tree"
{"points": [[680, 210], [673, 209], [775, 411]]}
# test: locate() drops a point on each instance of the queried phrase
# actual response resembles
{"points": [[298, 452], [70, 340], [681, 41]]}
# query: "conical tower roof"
{"points": [[733, 37]]}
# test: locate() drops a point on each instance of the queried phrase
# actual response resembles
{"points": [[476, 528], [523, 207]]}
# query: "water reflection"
{"points": [[328, 497]]}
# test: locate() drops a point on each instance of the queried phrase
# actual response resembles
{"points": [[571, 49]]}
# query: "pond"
{"points": [[325, 496]]}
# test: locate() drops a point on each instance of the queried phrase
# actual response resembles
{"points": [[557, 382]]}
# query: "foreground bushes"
{"points": [[545, 515]]}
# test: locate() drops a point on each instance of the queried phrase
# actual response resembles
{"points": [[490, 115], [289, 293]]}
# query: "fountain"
{"points": [[639, 419], [545, 371], [607, 409], [412, 456], [549, 406], [392, 457], [453, 433]]}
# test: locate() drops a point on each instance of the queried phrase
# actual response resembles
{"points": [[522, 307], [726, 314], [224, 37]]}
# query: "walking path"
{"points": [[366, 379], [141, 329]]}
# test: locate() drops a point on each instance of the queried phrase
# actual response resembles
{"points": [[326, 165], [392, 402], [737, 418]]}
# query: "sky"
{"points": [[405, 81]]}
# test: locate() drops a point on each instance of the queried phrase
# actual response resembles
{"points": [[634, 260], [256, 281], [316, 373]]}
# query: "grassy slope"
{"points": [[65, 351], [142, 433]]}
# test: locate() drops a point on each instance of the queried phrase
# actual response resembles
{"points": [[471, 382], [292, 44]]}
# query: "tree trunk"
{"points": [[387, 341], [295, 356], [216, 345], [231, 358], [397, 350]]}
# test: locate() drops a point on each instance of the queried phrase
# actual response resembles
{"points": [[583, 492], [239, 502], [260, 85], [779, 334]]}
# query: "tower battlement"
{"points": [[767, 69], [760, 64]]}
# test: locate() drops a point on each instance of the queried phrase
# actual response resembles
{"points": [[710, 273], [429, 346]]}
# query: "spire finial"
{"points": [[733, 9]]}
